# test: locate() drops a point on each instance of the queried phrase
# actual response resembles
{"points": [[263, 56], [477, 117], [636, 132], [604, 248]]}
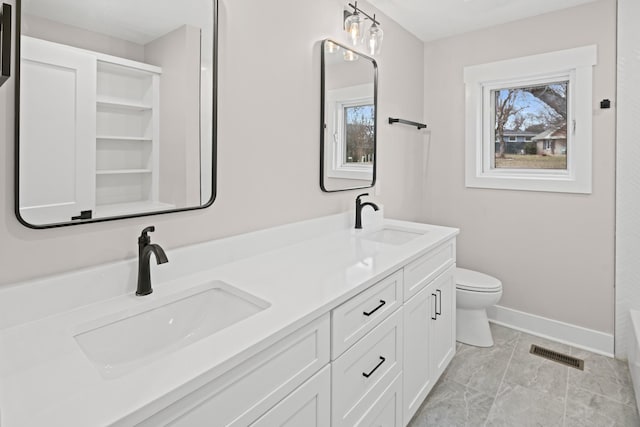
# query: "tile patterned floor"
{"points": [[506, 386]]}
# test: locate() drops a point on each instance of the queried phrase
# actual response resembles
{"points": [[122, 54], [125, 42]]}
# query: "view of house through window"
{"points": [[531, 126], [358, 134]]}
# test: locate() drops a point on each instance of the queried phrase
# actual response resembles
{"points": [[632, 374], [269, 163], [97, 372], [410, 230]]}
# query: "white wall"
{"points": [[268, 142], [178, 53], [553, 252], [57, 32], [628, 172]]}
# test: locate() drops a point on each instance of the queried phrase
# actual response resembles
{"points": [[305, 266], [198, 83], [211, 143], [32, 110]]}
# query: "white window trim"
{"points": [[337, 99], [575, 65]]}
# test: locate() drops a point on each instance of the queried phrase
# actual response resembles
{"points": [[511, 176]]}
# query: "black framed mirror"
{"points": [[348, 124], [5, 42], [115, 109]]}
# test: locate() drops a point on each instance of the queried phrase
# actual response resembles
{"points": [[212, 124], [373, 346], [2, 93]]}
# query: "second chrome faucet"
{"points": [[145, 249]]}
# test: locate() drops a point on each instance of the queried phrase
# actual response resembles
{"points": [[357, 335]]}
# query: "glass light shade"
{"points": [[374, 39], [331, 47], [354, 25], [349, 55]]}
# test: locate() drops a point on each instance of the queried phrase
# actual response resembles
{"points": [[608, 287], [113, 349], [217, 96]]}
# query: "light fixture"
{"points": [[349, 55], [354, 26], [374, 38], [331, 47]]}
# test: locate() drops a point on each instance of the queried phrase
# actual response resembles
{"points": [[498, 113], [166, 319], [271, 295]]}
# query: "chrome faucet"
{"points": [[359, 206], [145, 249]]}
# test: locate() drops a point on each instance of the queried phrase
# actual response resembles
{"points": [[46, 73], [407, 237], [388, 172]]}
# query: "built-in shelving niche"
{"points": [[127, 138]]}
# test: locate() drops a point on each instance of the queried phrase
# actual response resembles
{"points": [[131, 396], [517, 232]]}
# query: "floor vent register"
{"points": [[565, 359]]}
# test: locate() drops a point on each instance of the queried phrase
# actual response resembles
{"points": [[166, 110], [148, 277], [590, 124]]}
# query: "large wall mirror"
{"points": [[348, 118], [115, 109]]}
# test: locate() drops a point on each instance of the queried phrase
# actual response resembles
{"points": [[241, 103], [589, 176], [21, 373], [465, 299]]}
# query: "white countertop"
{"points": [[46, 379]]}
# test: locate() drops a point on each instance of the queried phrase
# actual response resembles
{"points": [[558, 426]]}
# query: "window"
{"points": [[357, 134], [545, 98], [540, 109], [351, 121]]}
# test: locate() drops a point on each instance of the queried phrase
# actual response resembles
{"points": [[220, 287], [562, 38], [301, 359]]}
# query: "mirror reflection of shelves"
{"points": [[127, 160], [90, 131]]}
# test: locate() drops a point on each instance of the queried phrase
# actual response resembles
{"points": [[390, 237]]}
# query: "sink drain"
{"points": [[565, 359]]}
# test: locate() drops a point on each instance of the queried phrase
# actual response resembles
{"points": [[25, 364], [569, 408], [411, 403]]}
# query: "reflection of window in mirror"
{"points": [[358, 134], [351, 121], [348, 119]]}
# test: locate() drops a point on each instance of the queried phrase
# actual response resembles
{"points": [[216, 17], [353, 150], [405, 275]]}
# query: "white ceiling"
{"points": [[434, 19], [139, 21]]}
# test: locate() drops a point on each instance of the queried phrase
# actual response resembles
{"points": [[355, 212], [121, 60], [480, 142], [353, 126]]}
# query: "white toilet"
{"points": [[475, 292]]}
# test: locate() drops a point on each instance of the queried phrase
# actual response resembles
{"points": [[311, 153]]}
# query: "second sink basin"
{"points": [[393, 235], [122, 342]]}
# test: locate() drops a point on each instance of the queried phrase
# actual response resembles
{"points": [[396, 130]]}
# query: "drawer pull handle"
{"points": [[382, 359], [439, 310], [435, 307], [382, 302]]}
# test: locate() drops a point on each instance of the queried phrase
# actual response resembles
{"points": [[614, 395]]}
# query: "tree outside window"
{"points": [[359, 134], [539, 115]]}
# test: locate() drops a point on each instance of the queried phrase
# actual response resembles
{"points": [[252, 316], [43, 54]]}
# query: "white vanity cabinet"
{"points": [[429, 323], [371, 361], [442, 337], [404, 328], [253, 392], [363, 373], [353, 339], [308, 406]]}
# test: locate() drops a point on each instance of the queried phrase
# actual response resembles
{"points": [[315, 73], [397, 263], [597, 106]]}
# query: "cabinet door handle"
{"points": [[382, 359], [5, 42], [382, 302], [439, 310], [435, 307]]}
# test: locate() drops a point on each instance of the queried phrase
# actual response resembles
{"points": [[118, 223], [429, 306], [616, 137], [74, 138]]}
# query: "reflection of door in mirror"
{"points": [[349, 121], [112, 114]]}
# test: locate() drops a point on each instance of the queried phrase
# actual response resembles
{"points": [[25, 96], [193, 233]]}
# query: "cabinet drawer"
{"points": [[386, 411], [308, 406], [364, 371], [353, 319], [247, 391], [421, 271]]}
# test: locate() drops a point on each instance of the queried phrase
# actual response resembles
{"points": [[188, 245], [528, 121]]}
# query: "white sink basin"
{"points": [[121, 342], [393, 236]]}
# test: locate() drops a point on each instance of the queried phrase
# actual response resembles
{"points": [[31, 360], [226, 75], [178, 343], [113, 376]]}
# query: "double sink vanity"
{"points": [[312, 323], [308, 324]]}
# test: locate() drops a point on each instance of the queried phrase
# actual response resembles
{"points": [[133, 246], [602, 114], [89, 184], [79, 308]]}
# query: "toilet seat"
{"points": [[469, 280]]}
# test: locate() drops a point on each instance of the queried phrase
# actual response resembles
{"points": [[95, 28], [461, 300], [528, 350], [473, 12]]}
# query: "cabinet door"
{"points": [[57, 131], [387, 409], [443, 323], [309, 405], [417, 375]]}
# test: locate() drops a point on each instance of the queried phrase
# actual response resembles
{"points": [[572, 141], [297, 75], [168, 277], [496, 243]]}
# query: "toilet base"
{"points": [[472, 327]]}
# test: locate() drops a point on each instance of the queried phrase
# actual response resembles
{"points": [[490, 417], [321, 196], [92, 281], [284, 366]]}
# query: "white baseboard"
{"points": [[576, 336]]}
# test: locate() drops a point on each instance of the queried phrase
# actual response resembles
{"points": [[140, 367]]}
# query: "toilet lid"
{"points": [[474, 281]]}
